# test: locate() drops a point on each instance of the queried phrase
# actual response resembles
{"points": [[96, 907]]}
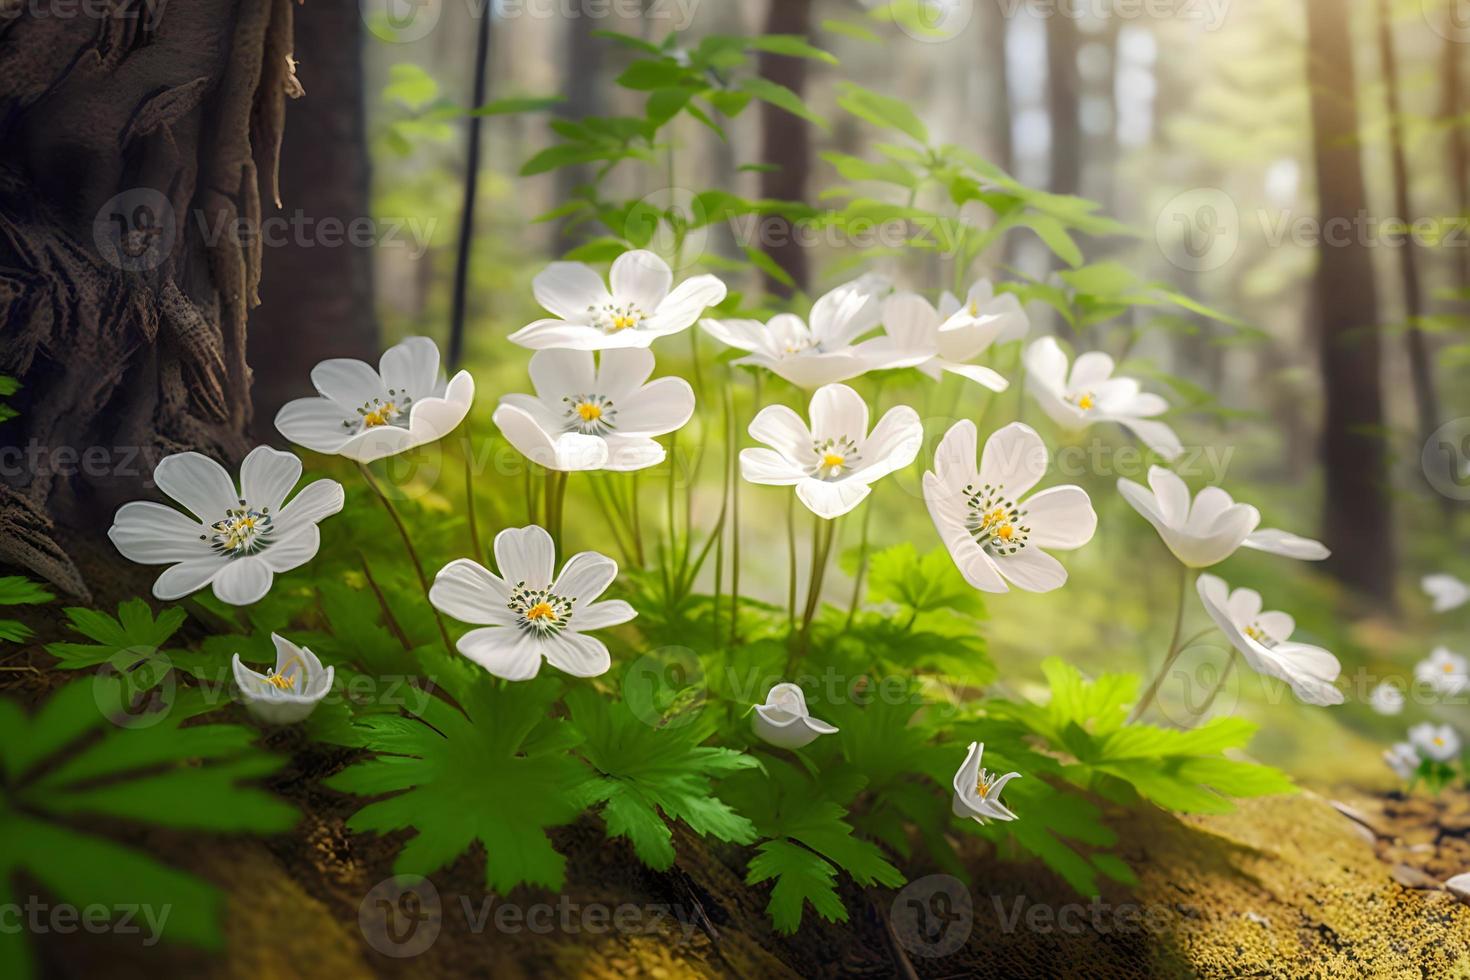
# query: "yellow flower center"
{"points": [[284, 682], [974, 309], [624, 321], [1439, 741], [833, 460], [1449, 668], [590, 412], [382, 415], [541, 610]]}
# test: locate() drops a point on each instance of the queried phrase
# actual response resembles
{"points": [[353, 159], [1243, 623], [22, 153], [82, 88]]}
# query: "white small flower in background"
{"points": [[366, 414], [525, 615], [982, 301], [784, 720], [634, 309], [977, 791], [1447, 591], [1386, 699], [238, 537], [1091, 394], [1213, 527], [1438, 742], [288, 693], [1443, 671], [832, 463], [1264, 639], [992, 533], [916, 335], [810, 354], [587, 416], [1403, 759]]}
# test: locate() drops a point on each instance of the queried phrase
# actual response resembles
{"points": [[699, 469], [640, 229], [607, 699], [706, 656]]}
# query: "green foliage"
{"points": [[500, 772], [1185, 771], [807, 840], [8, 387], [651, 774], [133, 636], [17, 590], [154, 770]]}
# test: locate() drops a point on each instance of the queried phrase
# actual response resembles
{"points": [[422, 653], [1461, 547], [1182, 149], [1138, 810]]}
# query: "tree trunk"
{"points": [[785, 145], [1421, 369], [1452, 101], [582, 84], [316, 294], [134, 144], [1357, 510], [1064, 85]]}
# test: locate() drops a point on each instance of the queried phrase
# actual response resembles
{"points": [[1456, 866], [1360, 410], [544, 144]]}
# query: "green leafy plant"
{"points": [[17, 590]]}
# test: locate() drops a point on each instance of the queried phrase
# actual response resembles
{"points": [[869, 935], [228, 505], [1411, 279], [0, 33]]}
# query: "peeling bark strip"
{"points": [[125, 326]]}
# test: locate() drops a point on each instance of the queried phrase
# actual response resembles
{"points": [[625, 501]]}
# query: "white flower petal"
{"points": [[684, 305], [784, 431], [627, 453], [611, 612], [317, 424], [769, 468], [1447, 591], [567, 289], [954, 459], [471, 593], [292, 550], [1091, 368], [1046, 364], [411, 366], [585, 576], [568, 451], [981, 375], [267, 475], [838, 412], [544, 334], [1061, 517], [1171, 495], [1157, 436], [894, 444], [1279, 542], [186, 577], [740, 334], [525, 554], [657, 408], [504, 651], [622, 371], [243, 581], [829, 499], [575, 654], [558, 373], [1032, 569], [642, 278], [1278, 625], [348, 382], [807, 370], [315, 502], [197, 482], [152, 534], [1014, 458]]}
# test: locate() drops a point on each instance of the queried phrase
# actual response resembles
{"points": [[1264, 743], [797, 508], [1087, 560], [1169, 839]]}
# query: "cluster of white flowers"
{"points": [[1436, 743], [595, 408], [1443, 672]]}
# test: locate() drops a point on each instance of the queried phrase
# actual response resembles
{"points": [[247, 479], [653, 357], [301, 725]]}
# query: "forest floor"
{"points": [[1298, 886]]}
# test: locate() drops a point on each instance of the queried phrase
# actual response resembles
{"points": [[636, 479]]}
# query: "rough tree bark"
{"points": [[785, 144], [1357, 511], [1064, 107], [124, 316], [316, 289]]}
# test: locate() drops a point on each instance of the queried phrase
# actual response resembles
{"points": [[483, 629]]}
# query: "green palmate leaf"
{"points": [[154, 770], [499, 772], [134, 635], [17, 590], [653, 775], [882, 110], [921, 584], [410, 86], [650, 73], [809, 840]]}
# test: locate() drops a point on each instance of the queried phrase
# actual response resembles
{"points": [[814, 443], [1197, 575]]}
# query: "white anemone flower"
{"points": [[1386, 699], [367, 414], [236, 538], [994, 532], [977, 791], [288, 693], [1264, 639], [1213, 527], [525, 614], [1091, 394], [784, 720], [1403, 759], [592, 417], [982, 301], [634, 309], [916, 335], [1438, 742], [1447, 591], [810, 354], [832, 463], [1443, 671]]}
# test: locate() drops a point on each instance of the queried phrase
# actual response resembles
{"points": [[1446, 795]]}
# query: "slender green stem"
{"points": [[388, 617], [862, 568], [734, 465], [556, 495], [469, 502], [823, 533], [1175, 648], [791, 555], [413, 555], [614, 524], [636, 520], [1219, 686]]}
